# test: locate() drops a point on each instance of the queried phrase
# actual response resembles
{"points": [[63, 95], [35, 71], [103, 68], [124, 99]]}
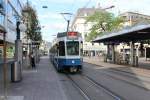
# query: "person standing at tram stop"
{"points": [[32, 60]]}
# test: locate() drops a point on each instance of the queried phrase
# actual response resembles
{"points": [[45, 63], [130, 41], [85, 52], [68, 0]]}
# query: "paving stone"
{"points": [[12, 98]]}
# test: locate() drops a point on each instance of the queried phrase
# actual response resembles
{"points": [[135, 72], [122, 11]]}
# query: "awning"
{"points": [[136, 33]]}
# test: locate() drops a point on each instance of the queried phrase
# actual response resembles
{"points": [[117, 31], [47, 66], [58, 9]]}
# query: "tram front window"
{"points": [[73, 48]]}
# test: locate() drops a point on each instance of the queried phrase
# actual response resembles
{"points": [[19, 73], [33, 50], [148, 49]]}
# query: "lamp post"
{"points": [[5, 83], [5, 67]]}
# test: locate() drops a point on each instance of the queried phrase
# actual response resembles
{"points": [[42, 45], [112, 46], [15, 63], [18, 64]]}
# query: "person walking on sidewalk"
{"points": [[32, 59]]}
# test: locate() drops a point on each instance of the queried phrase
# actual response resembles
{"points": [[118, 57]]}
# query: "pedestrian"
{"points": [[32, 59]]}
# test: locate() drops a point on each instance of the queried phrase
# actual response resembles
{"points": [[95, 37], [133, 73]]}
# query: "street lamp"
{"points": [[110, 7], [67, 19], [44, 6]]}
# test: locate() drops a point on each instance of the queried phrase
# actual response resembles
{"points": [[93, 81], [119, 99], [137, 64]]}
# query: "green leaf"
{"points": [[102, 22]]}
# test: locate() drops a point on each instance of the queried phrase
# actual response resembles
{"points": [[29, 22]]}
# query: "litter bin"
{"points": [[16, 74]]}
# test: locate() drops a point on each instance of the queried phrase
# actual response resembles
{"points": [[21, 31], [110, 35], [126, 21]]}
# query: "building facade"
{"points": [[44, 47], [79, 24], [132, 18], [10, 13]]}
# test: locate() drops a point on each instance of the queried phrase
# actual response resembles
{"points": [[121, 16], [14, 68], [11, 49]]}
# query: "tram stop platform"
{"points": [[142, 69], [41, 83]]}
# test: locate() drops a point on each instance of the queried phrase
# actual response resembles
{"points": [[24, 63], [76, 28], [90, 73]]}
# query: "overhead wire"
{"points": [[73, 4], [85, 6]]}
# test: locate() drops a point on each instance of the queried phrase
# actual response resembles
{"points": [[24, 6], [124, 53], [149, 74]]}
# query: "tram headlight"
{"points": [[73, 61]]}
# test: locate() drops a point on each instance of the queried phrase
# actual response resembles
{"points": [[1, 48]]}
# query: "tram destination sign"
{"points": [[72, 35]]}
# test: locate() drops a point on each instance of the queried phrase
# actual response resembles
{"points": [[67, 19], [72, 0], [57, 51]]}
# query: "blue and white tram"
{"points": [[66, 52]]}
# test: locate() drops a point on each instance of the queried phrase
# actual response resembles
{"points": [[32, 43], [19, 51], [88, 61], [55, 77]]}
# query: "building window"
{"points": [[2, 20], [19, 8], [85, 14], [14, 2], [1, 4]]}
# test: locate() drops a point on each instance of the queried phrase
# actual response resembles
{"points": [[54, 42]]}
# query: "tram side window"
{"points": [[61, 48], [81, 48]]}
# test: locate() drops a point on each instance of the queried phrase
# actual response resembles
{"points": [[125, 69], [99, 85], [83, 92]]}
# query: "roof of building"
{"points": [[135, 13], [84, 12], [88, 11]]}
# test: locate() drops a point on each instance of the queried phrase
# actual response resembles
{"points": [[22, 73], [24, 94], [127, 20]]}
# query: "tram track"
{"points": [[120, 70], [108, 91], [106, 72], [93, 83], [79, 88]]}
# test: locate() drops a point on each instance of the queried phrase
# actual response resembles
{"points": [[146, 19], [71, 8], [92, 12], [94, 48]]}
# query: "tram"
{"points": [[66, 52]]}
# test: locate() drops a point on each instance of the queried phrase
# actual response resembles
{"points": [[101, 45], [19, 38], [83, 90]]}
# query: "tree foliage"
{"points": [[33, 27], [102, 22]]}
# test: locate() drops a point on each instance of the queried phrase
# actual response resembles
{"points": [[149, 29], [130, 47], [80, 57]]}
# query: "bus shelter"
{"points": [[129, 35]]}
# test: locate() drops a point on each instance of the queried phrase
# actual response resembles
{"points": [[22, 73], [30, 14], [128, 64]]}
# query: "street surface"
{"points": [[110, 83], [94, 83], [38, 84]]}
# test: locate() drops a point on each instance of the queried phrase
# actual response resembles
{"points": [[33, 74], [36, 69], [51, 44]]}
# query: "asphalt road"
{"points": [[95, 83], [122, 85], [127, 87]]}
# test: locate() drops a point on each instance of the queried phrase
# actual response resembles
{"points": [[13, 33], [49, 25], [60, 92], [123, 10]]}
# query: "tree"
{"points": [[33, 31], [102, 22]]}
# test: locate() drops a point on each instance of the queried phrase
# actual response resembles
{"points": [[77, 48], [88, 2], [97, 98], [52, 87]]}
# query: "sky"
{"points": [[53, 22]]}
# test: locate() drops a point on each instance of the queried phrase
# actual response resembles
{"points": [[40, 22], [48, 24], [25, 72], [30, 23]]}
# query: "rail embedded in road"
{"points": [[109, 92], [79, 88], [92, 90]]}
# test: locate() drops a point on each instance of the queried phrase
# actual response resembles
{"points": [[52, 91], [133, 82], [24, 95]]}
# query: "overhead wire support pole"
{"points": [[68, 20]]}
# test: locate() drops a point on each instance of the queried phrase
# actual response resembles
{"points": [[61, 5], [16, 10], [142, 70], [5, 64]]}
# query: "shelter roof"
{"points": [[136, 33]]}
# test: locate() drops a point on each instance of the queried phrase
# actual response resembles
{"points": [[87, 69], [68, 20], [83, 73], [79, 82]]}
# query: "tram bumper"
{"points": [[67, 63]]}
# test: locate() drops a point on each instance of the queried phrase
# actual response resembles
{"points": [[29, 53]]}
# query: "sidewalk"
{"points": [[40, 84], [99, 61]]}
